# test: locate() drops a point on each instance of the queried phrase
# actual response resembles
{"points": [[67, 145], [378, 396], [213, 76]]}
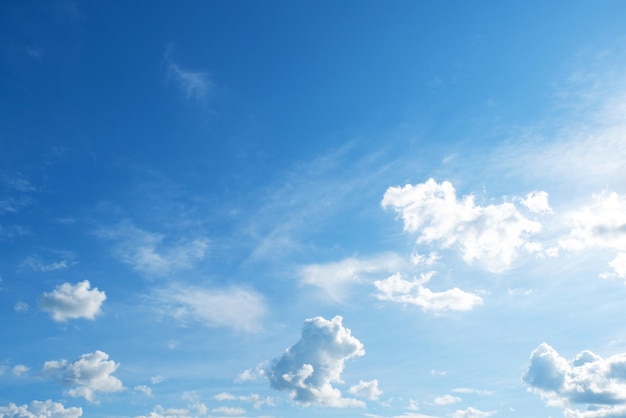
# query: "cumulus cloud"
{"points": [[146, 390], [334, 278], [537, 202], [308, 369], [589, 379], [71, 302], [232, 307], [150, 253], [254, 398], [368, 390], [230, 411], [39, 409], [398, 289], [446, 400], [19, 370], [90, 374], [492, 235]]}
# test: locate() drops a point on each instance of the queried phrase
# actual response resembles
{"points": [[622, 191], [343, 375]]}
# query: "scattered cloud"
{"points": [[232, 307], [368, 390], [537, 202], [90, 374], [398, 289], [21, 307], [473, 391], [334, 278], [493, 235], [150, 253], [446, 400], [588, 379], [40, 409], [19, 370], [472, 413], [194, 85], [308, 368], [71, 302], [144, 389], [229, 411], [36, 264]]}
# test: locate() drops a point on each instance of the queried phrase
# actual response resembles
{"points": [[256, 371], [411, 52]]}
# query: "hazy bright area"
{"points": [[333, 208]]}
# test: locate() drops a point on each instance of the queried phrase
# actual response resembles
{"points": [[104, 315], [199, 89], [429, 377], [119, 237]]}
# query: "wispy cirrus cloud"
{"points": [[150, 253], [194, 85]]}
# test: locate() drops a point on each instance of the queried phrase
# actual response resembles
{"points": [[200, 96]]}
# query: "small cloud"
{"points": [[446, 400], [473, 391], [144, 389], [228, 411], [537, 202], [194, 85], [434, 372], [224, 396], [156, 379], [368, 390], [89, 374], [21, 307], [397, 289], [37, 265], [19, 370], [472, 413], [71, 302]]}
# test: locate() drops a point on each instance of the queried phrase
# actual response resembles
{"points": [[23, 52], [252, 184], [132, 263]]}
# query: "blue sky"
{"points": [[303, 209]]}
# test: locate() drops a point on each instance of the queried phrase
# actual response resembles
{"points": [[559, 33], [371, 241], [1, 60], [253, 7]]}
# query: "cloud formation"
{"points": [[368, 390], [91, 373], [600, 225], [308, 369], [71, 302], [472, 413], [232, 307], [149, 253], [39, 409], [589, 379], [334, 278], [398, 289], [492, 235]]}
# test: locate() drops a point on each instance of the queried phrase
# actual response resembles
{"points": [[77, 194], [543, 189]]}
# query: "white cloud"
{"points": [[446, 400], [473, 391], [493, 235], [195, 85], [537, 202], [589, 379], [21, 307], [37, 265], [249, 374], [334, 278], [255, 399], [90, 374], [472, 413], [19, 370], [70, 302], [144, 389], [150, 253], [233, 307], [229, 411], [224, 396], [600, 225], [368, 390], [40, 409], [308, 368], [397, 289]]}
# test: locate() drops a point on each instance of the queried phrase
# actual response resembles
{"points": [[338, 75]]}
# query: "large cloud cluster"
{"points": [[588, 379], [39, 409], [308, 369], [492, 235], [70, 302], [91, 373]]}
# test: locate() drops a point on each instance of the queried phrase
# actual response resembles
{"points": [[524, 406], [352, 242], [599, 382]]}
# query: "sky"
{"points": [[275, 208]]}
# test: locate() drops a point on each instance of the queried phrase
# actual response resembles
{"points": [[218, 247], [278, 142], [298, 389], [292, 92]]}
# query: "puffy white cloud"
{"points": [[144, 389], [70, 302], [537, 202], [254, 398], [333, 278], [233, 307], [368, 390], [308, 368], [472, 413], [150, 253], [39, 409], [90, 374], [446, 400], [589, 379], [618, 264], [398, 289], [493, 235], [224, 396]]}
